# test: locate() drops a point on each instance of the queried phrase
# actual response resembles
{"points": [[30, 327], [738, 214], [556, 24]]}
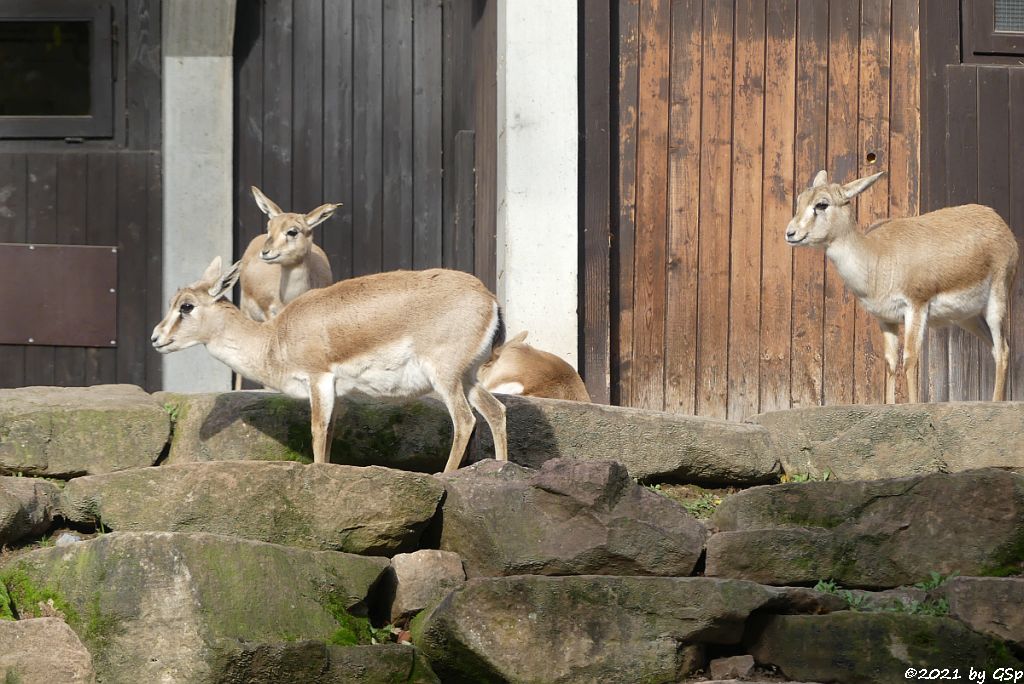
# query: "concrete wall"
{"points": [[197, 153], [537, 171]]}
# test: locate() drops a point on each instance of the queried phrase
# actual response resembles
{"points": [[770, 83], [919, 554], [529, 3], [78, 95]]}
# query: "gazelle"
{"points": [[282, 263], [954, 265], [519, 368], [398, 334]]}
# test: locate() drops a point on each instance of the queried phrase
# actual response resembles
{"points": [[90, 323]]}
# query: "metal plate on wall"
{"points": [[62, 295]]}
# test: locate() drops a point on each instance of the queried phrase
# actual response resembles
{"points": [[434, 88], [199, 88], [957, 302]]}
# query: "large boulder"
{"points": [[43, 651], [570, 518], [28, 506], [314, 662], [654, 446], [872, 442], [267, 426], [868, 648], [172, 607], [422, 578], [875, 534], [555, 630], [321, 506], [70, 431], [989, 605]]}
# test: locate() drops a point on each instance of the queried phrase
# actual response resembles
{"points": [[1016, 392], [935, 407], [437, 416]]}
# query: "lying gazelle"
{"points": [[519, 368], [282, 263], [399, 334], [953, 265]]}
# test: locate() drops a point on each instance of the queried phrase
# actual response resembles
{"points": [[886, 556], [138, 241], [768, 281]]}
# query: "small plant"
{"points": [[935, 580], [173, 410], [703, 506], [654, 488], [806, 477], [827, 586]]}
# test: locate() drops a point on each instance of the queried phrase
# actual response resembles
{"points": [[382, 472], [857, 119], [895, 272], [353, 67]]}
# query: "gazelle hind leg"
{"points": [[890, 332], [995, 317], [463, 420], [493, 412], [914, 328], [321, 409]]}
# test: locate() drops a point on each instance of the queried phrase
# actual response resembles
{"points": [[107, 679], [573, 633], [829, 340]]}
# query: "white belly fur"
{"points": [[943, 309], [390, 372]]}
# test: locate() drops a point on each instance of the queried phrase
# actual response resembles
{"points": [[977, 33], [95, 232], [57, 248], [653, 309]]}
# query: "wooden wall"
{"points": [[98, 192], [387, 107], [722, 111]]}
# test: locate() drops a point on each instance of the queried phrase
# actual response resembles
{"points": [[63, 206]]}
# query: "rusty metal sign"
{"points": [[62, 295]]}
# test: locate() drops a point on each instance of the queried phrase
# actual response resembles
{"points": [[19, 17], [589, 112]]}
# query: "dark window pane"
{"points": [[1010, 16], [44, 68]]}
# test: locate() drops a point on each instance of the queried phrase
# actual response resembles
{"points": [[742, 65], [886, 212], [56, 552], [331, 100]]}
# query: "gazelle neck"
{"points": [[242, 344], [294, 281], [854, 258]]}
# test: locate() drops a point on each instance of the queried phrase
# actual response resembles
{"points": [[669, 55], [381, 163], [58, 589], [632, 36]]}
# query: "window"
{"points": [[56, 76], [993, 30]]}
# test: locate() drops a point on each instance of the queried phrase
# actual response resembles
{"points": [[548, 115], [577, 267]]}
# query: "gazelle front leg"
{"points": [[891, 333], [321, 410], [914, 327]]}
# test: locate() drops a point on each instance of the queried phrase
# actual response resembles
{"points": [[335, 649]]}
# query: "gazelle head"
{"points": [[823, 211], [289, 235], [188, 319]]}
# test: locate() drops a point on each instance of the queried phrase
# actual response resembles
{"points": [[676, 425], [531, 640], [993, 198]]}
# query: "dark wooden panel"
{"points": [[278, 104], [427, 134], [397, 136], [143, 73], [308, 108], [462, 213], [485, 123], [248, 143], [367, 210], [457, 99], [69, 364], [154, 268], [1015, 103], [337, 238], [41, 223], [77, 309], [101, 222], [13, 208], [132, 217]]}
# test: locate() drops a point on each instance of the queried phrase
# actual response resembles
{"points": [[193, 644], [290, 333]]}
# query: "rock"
{"points": [[70, 431], [28, 506], [321, 506], [422, 579], [856, 648], [570, 518], [171, 607], [654, 446], [865, 442], [875, 534], [989, 605], [67, 539], [736, 667], [267, 426], [314, 662], [43, 651], [555, 630]]}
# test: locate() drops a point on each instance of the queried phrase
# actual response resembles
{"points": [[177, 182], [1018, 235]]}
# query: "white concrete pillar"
{"points": [[198, 36], [537, 250]]}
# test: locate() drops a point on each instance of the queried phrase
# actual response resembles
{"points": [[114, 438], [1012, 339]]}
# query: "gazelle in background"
{"points": [[519, 368], [954, 265], [398, 334], [284, 262]]}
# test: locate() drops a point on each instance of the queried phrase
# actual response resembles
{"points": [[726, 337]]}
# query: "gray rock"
{"points": [[27, 507], [868, 648], [43, 651], [989, 605], [570, 518], [321, 506], [314, 662], [875, 534], [422, 579], [70, 431], [736, 667], [67, 539], [866, 442], [171, 607], [555, 630]]}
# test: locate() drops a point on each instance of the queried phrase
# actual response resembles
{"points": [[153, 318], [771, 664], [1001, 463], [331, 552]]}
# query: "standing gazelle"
{"points": [[399, 334], [953, 265]]}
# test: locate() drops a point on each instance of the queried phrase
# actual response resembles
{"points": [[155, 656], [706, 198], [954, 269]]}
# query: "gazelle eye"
{"points": [[186, 308], [820, 207], [293, 232]]}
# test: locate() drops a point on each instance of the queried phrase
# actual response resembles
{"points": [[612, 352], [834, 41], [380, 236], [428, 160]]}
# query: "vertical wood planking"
{"points": [[629, 81], [13, 224], [308, 109], [132, 217], [69, 362], [808, 264], [154, 310], [776, 255], [143, 69], [462, 213], [715, 191], [367, 208], [1015, 379], [842, 166], [338, 135], [651, 207], [747, 183], [595, 199], [873, 205], [485, 123], [277, 102], [41, 228], [457, 98], [248, 144], [427, 134], [397, 111], [101, 229], [962, 188], [684, 206]]}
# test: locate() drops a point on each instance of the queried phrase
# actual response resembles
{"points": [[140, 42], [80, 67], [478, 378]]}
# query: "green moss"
{"points": [[352, 630], [12, 677], [26, 595], [6, 610], [99, 627], [1007, 561]]}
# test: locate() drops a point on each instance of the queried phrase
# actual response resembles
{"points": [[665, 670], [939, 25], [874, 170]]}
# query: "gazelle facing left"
{"points": [[399, 334], [954, 265]]}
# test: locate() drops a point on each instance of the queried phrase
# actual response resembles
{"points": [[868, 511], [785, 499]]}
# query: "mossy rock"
{"points": [[43, 651], [314, 662]]}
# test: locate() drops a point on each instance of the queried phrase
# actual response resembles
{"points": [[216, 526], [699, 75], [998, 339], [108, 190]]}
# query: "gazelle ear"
{"points": [[521, 337], [211, 274], [320, 214], [854, 188], [223, 284], [265, 204], [820, 179]]}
